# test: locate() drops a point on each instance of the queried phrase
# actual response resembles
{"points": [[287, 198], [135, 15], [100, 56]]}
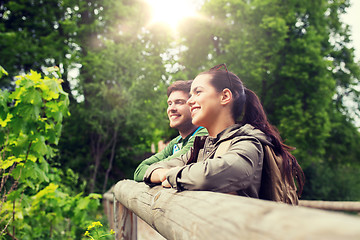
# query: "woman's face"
{"points": [[204, 101]]}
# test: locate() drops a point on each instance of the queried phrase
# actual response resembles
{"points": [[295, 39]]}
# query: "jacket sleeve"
{"points": [[173, 163], [165, 155], [144, 165], [234, 170], [189, 144]]}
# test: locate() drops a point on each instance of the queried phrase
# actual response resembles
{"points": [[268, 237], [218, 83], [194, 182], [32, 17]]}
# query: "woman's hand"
{"points": [[159, 175], [166, 184]]}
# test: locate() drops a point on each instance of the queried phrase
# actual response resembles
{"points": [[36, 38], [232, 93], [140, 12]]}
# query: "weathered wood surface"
{"points": [[125, 223], [332, 205], [146, 232], [210, 215], [108, 204]]}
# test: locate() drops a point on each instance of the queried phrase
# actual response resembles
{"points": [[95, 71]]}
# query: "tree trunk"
{"points": [[111, 160]]}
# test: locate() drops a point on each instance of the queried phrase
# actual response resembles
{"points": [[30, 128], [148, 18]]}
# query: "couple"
{"points": [[230, 113]]}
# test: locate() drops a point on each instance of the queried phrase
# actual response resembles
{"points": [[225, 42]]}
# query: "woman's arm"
{"points": [[160, 156], [235, 170]]}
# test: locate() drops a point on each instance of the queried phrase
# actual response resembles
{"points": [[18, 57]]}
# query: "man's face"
{"points": [[178, 111]]}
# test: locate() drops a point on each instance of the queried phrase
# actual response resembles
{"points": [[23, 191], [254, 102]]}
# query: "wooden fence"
{"points": [[210, 215]]}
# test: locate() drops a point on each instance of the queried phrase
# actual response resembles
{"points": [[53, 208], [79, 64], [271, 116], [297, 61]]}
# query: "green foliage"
{"points": [[53, 213], [2, 72], [96, 231], [37, 203], [294, 55], [123, 90], [35, 34], [333, 183]]}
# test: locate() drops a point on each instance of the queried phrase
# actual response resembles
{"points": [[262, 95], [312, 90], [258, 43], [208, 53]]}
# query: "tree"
{"points": [[294, 55], [122, 78], [120, 81], [35, 35]]}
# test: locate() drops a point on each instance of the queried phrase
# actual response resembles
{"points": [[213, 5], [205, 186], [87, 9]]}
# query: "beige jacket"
{"points": [[237, 170]]}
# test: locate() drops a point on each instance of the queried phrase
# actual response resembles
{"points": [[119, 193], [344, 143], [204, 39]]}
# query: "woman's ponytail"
{"points": [[253, 111], [248, 109], [254, 114]]}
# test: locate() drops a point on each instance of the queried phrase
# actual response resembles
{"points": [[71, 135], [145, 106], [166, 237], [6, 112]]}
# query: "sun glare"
{"points": [[171, 12]]}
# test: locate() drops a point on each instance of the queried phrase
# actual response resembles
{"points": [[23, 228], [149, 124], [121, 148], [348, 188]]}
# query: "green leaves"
{"points": [[2, 72], [31, 120], [31, 123], [294, 55]]}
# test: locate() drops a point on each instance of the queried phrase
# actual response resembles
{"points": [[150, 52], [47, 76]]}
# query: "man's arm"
{"points": [[144, 165], [166, 155], [189, 144], [156, 173]]}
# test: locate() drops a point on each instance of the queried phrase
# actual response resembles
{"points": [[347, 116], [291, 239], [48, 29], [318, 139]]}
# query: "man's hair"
{"points": [[181, 85]]}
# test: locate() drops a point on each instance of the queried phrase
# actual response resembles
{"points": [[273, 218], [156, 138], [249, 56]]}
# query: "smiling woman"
{"points": [[171, 12]]}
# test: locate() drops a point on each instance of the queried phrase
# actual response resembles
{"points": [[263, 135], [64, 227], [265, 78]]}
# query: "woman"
{"points": [[231, 113]]}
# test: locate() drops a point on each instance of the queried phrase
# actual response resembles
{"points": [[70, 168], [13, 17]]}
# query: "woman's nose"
{"points": [[190, 101]]}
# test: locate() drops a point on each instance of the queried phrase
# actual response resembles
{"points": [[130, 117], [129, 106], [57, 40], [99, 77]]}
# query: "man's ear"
{"points": [[226, 96]]}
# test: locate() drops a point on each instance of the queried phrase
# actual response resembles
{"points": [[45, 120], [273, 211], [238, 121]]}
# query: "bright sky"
{"points": [[171, 11], [353, 19]]}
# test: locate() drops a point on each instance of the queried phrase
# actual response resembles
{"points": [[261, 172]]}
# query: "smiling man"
{"points": [[180, 118]]}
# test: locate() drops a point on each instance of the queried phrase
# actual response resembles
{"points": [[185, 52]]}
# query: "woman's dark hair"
{"points": [[247, 109]]}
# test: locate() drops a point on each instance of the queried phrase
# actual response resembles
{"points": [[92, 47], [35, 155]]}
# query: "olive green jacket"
{"points": [[238, 170], [168, 152]]}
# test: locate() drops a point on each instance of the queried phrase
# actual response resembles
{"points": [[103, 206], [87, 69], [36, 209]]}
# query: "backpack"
{"points": [[275, 186]]}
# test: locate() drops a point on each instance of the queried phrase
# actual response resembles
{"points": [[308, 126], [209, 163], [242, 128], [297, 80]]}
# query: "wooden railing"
{"points": [[211, 215]]}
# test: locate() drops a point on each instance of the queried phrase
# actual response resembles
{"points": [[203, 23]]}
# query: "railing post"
{"points": [[125, 222], [108, 204]]}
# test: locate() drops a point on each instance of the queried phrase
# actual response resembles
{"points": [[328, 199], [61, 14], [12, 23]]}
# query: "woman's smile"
{"points": [[194, 110]]}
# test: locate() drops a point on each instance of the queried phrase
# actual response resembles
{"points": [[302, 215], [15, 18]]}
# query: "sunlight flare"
{"points": [[171, 12]]}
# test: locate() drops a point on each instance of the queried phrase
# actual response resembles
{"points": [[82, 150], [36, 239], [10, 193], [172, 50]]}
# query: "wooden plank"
{"points": [[146, 232], [210, 215], [332, 205], [125, 223], [108, 204], [108, 211]]}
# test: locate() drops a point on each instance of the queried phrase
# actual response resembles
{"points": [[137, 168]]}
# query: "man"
{"points": [[180, 118]]}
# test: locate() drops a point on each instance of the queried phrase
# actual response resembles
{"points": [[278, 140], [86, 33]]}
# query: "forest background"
{"points": [[116, 64]]}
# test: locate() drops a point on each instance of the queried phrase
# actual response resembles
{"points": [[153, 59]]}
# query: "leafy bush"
{"points": [[37, 201]]}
